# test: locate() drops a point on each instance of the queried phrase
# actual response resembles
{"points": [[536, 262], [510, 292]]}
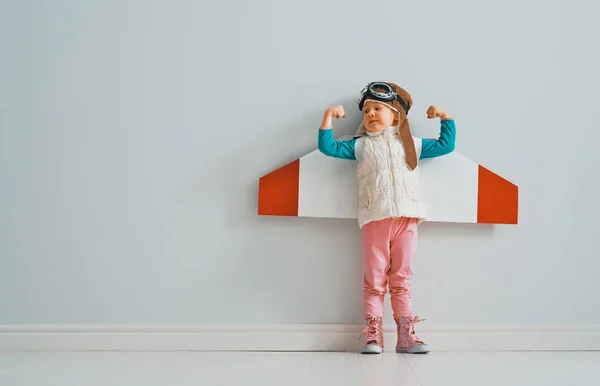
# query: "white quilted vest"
{"points": [[386, 186]]}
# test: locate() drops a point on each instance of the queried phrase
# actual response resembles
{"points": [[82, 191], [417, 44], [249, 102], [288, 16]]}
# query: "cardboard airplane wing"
{"points": [[454, 189]]}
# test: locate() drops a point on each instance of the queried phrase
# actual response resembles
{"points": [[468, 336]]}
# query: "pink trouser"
{"points": [[388, 249]]}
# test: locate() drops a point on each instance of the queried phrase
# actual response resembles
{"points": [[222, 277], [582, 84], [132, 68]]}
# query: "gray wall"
{"points": [[133, 134]]}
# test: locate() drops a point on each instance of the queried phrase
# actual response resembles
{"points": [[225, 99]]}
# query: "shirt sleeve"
{"points": [[444, 144], [336, 149]]}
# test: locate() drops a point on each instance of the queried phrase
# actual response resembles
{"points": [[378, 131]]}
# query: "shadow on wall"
{"points": [[288, 252], [451, 230], [288, 143]]}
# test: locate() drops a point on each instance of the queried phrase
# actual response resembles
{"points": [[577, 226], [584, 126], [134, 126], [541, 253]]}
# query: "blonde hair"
{"points": [[396, 121]]}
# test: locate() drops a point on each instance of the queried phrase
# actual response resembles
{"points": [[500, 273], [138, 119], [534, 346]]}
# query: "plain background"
{"points": [[133, 134]]}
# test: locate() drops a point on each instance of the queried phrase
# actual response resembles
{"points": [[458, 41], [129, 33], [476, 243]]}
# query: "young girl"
{"points": [[390, 204]]}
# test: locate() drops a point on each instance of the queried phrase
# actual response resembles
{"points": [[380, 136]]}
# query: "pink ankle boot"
{"points": [[408, 341], [374, 332]]}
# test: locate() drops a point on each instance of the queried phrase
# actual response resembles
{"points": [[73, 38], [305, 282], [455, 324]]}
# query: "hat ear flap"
{"points": [[409, 144], [361, 130]]}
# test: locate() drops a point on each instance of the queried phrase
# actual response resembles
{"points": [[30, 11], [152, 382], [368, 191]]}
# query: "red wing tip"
{"points": [[497, 199], [278, 191]]}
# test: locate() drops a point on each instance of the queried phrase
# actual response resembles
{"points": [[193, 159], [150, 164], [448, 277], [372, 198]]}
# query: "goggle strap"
{"points": [[385, 97]]}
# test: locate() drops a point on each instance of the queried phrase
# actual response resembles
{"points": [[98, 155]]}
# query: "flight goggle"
{"points": [[387, 95]]}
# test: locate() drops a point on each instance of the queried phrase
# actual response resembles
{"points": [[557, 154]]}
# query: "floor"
{"points": [[315, 369]]}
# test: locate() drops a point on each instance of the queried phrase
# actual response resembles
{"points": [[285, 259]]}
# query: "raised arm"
{"points": [[329, 146], [446, 140]]}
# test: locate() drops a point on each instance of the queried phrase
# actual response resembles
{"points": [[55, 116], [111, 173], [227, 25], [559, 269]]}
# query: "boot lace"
{"points": [[411, 327], [373, 332]]}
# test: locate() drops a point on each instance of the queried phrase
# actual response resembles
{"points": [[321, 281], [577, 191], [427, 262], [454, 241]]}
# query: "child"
{"points": [[390, 204]]}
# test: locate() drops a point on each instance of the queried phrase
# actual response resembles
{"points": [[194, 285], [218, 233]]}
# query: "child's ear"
{"points": [[400, 119]]}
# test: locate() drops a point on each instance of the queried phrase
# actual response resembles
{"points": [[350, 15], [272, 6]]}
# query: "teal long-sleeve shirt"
{"points": [[430, 147]]}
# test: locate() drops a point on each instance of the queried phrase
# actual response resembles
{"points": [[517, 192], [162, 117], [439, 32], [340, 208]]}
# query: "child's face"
{"points": [[377, 116]]}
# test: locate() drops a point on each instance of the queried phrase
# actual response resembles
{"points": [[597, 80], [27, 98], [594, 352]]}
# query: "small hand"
{"points": [[434, 111], [332, 112], [336, 112]]}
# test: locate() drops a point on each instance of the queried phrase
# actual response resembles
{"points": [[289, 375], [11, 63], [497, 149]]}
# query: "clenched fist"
{"points": [[434, 111], [332, 112], [336, 111]]}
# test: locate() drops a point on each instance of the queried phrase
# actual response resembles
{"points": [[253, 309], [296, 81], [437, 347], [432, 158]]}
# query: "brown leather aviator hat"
{"points": [[398, 100]]}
